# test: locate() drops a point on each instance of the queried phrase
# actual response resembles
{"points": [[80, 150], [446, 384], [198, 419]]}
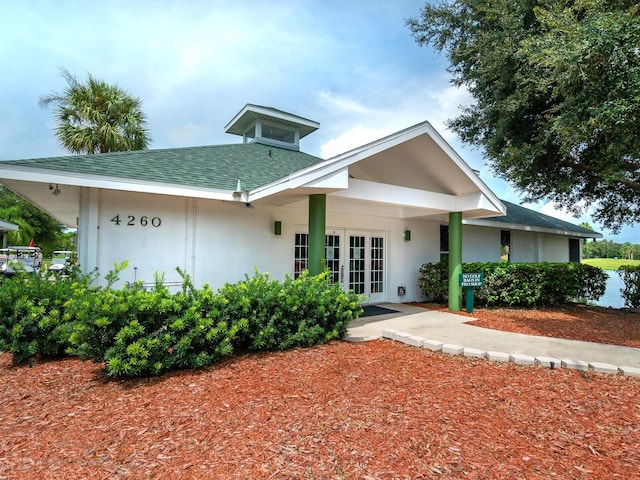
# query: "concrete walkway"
{"points": [[450, 330]]}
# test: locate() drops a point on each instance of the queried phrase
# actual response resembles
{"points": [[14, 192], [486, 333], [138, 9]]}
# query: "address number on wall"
{"points": [[132, 221]]}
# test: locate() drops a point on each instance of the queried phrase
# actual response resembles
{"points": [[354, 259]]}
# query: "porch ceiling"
{"points": [[64, 206], [418, 163]]}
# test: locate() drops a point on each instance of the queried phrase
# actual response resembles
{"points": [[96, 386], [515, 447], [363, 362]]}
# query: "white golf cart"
{"points": [[62, 263], [16, 260]]}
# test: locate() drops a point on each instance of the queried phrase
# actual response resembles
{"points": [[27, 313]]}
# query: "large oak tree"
{"points": [[556, 85]]}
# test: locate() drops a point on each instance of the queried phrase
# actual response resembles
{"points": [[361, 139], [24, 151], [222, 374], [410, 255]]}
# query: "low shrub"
{"points": [[256, 314], [630, 275], [34, 315], [520, 284], [191, 334], [138, 332], [434, 281]]}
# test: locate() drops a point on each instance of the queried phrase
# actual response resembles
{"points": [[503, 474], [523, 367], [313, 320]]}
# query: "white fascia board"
{"points": [[479, 201], [384, 143], [324, 175], [339, 180], [395, 195], [529, 228], [111, 183], [415, 198]]}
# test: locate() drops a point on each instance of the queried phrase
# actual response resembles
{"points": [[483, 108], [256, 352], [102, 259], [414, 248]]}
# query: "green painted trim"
{"points": [[455, 261], [317, 227]]}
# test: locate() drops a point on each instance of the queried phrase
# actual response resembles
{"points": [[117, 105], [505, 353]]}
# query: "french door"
{"points": [[354, 259], [366, 264]]}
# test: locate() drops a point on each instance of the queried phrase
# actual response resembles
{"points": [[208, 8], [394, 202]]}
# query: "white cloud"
{"points": [[557, 211], [448, 101], [356, 123], [344, 104], [188, 134], [354, 138]]}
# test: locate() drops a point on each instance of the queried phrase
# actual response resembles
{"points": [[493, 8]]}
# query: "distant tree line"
{"points": [[610, 249]]}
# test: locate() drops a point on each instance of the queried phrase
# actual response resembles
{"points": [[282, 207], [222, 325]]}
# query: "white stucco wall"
{"points": [[152, 234], [525, 247], [480, 244], [218, 242], [538, 247], [556, 248]]}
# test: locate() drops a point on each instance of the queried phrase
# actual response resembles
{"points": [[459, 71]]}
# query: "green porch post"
{"points": [[455, 260], [317, 227]]}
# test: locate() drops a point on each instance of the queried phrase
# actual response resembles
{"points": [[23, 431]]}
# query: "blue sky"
{"points": [[350, 65]]}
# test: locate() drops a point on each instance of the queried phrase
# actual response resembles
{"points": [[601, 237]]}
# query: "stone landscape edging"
{"points": [[516, 358]]}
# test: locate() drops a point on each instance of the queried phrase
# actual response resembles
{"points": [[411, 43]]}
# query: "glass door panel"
{"points": [[357, 263], [363, 255], [377, 265], [332, 256]]}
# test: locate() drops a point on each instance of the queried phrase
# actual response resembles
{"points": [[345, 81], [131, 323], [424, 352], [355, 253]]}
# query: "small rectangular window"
{"points": [[278, 133], [505, 246], [444, 243]]}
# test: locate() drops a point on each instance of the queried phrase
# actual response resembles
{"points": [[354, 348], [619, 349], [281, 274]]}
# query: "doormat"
{"points": [[373, 310]]}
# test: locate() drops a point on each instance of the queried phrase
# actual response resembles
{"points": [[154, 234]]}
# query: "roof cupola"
{"points": [[270, 126]]}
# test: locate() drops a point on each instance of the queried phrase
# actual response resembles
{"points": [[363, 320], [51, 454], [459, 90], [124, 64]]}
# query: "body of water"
{"points": [[612, 296]]}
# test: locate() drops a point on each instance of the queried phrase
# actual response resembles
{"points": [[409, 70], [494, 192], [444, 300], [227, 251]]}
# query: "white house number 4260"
{"points": [[131, 221]]}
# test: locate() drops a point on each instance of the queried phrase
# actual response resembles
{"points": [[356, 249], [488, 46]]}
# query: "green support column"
{"points": [[455, 260], [317, 227]]}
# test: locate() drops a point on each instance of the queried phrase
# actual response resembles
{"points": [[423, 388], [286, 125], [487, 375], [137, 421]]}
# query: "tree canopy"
{"points": [[556, 85], [96, 117], [33, 223]]}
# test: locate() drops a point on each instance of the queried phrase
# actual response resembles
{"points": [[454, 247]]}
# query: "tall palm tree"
{"points": [[95, 117]]}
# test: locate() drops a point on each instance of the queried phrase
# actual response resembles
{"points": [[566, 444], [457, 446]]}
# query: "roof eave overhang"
{"points": [[531, 228], [111, 183]]}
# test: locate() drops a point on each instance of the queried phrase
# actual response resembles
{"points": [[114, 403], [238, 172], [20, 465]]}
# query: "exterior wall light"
{"points": [[407, 235], [277, 227]]}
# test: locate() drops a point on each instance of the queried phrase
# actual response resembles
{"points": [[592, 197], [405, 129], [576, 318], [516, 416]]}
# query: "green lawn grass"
{"points": [[609, 263]]}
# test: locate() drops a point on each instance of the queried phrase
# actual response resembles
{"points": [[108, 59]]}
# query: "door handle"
{"points": [[341, 273]]}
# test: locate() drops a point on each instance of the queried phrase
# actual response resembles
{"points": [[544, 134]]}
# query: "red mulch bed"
{"points": [[374, 410], [573, 321]]}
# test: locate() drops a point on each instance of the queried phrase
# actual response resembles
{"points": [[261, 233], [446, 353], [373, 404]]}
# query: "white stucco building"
{"points": [[219, 212]]}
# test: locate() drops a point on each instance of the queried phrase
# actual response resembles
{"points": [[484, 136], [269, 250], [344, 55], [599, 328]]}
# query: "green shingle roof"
{"points": [[217, 166], [221, 166], [523, 216]]}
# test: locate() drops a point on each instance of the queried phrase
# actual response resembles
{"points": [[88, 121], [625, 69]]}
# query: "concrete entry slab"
{"points": [[449, 328]]}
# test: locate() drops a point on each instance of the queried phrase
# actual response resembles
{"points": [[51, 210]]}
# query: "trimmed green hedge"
{"points": [[519, 284], [138, 332]]}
